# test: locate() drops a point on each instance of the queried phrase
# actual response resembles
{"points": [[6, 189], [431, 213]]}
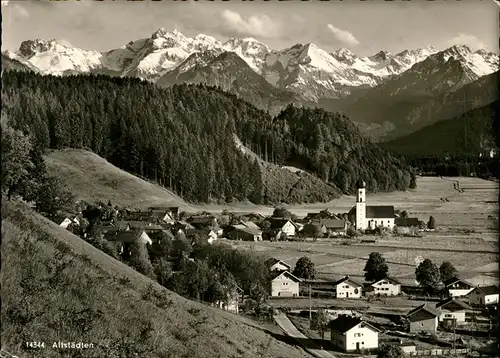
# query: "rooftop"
{"points": [[276, 274], [433, 311], [456, 279], [453, 300], [406, 222], [489, 290], [345, 323], [273, 261], [347, 278]]}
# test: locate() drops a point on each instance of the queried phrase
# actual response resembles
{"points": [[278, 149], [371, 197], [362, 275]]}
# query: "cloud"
{"points": [[15, 9], [256, 25], [342, 36], [465, 39], [21, 11]]}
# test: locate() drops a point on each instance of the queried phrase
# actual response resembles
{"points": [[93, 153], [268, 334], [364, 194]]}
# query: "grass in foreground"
{"points": [[56, 287]]}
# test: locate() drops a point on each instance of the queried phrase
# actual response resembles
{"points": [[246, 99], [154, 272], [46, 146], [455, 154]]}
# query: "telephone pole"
{"points": [[310, 304]]}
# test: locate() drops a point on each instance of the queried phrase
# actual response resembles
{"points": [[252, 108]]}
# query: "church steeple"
{"points": [[360, 205], [361, 191]]}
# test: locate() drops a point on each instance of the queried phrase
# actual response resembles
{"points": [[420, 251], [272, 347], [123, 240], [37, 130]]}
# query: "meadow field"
{"points": [[467, 233]]}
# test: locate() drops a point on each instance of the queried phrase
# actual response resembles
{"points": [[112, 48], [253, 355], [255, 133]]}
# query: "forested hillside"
{"points": [[455, 147], [183, 136], [469, 134]]}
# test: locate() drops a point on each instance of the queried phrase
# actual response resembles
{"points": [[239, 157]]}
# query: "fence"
{"points": [[440, 352]]}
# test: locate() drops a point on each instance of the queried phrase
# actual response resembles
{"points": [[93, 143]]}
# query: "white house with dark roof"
{"points": [[279, 226], [351, 334], [347, 288], [125, 238], [284, 284], [385, 287], [370, 216], [452, 309], [483, 296], [457, 287]]}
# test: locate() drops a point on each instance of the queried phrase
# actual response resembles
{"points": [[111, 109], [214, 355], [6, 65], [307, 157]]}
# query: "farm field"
{"points": [[433, 196], [466, 234]]}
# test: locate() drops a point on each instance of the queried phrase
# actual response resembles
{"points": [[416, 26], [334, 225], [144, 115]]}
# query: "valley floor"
{"points": [[466, 233]]}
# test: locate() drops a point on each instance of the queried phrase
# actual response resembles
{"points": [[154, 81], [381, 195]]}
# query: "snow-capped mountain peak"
{"points": [[303, 68], [480, 62], [52, 57], [381, 56], [250, 50]]}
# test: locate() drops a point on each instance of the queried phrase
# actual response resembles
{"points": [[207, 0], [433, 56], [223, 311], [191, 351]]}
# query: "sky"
{"points": [[365, 27]]}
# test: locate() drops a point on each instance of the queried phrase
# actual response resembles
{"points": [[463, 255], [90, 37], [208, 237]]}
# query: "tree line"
{"points": [[183, 137], [455, 165]]}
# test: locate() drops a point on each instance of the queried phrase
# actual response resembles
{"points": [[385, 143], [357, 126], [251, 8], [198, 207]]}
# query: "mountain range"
{"points": [[388, 95]]}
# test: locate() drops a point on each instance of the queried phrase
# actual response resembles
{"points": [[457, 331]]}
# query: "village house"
{"points": [[318, 288], [163, 216], [385, 287], [153, 228], [456, 287], [203, 222], [172, 210], [352, 334], [181, 226], [284, 284], [206, 235], [347, 288], [323, 214], [369, 217], [231, 304], [138, 225], [483, 296], [105, 229], [277, 265], [246, 234], [160, 235], [122, 225], [125, 238], [406, 225], [452, 309], [281, 226], [333, 227], [423, 318], [67, 222], [249, 225], [141, 216]]}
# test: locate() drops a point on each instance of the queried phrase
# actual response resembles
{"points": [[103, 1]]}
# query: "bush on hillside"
{"points": [[139, 259]]}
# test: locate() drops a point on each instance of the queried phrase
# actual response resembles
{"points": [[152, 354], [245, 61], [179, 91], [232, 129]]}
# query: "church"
{"points": [[369, 217]]}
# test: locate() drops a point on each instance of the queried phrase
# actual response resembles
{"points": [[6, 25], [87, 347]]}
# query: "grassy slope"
{"points": [[93, 178], [56, 287]]}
